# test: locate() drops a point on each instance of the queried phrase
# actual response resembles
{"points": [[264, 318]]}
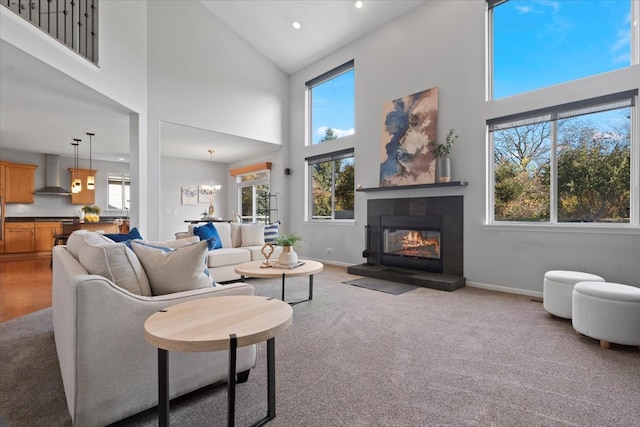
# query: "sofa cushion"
{"points": [[176, 270], [132, 234], [252, 234], [209, 233], [236, 235], [173, 244], [270, 232], [80, 238], [224, 231], [227, 256], [114, 261]]}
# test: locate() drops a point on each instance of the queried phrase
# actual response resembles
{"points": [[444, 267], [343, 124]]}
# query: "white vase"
{"points": [[288, 256], [81, 215]]}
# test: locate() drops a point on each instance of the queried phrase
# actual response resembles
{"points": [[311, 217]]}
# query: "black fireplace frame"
{"points": [[450, 211]]}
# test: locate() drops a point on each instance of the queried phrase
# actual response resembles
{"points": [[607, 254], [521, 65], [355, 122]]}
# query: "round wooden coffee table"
{"points": [[218, 323], [256, 269]]}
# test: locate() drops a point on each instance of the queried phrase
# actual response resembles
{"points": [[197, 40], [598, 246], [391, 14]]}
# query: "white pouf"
{"points": [[609, 312], [558, 287]]}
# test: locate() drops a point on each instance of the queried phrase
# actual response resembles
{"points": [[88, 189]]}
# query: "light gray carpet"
{"points": [[353, 357], [380, 285]]}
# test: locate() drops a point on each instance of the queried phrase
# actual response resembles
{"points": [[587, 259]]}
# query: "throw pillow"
{"points": [[176, 270], [209, 233], [113, 261], [132, 234], [252, 234], [270, 232]]}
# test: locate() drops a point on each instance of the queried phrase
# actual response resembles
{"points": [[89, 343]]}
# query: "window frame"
{"points": [[551, 115], [317, 81], [253, 183], [124, 181], [321, 158]]}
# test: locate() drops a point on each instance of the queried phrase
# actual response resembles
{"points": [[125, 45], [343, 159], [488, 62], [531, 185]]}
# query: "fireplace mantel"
{"points": [[408, 187]]}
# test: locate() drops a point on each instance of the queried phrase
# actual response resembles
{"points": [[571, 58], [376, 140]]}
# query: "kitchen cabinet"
{"points": [[19, 181], [86, 196], [44, 234], [20, 237]]}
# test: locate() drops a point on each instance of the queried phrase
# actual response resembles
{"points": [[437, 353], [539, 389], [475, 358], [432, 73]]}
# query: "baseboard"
{"points": [[504, 289]]}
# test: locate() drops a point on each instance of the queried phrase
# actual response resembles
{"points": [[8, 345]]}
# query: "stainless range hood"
{"points": [[52, 183]]}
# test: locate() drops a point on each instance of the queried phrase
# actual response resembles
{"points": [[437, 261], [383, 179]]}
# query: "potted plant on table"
{"points": [[287, 241], [441, 151], [91, 213]]}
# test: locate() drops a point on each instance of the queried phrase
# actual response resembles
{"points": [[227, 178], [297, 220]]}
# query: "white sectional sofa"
{"points": [[240, 243], [101, 298]]}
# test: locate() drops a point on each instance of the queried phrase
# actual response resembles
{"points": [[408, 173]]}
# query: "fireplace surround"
{"points": [[418, 241]]}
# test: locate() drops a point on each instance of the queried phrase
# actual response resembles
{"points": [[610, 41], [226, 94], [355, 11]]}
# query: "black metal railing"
{"points": [[72, 22]]}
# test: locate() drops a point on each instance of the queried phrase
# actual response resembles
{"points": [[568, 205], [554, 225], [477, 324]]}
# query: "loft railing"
{"points": [[72, 22]]}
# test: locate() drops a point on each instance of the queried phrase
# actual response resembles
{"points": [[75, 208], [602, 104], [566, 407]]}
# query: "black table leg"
{"points": [[310, 287], [271, 378], [163, 388], [283, 276], [231, 393]]}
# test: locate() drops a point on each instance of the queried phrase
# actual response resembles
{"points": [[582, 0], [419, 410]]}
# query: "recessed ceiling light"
{"points": [[359, 4], [296, 25]]}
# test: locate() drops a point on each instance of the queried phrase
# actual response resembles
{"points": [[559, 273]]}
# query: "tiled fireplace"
{"points": [[418, 241]]}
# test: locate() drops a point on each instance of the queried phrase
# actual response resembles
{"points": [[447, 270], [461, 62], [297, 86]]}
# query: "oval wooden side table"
{"points": [[213, 324]]}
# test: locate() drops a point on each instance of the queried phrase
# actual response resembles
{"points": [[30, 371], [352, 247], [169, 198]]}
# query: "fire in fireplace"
{"points": [[421, 243], [412, 242]]}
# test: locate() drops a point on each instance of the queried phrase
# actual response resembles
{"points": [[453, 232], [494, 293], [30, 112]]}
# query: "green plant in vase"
{"points": [[91, 213], [441, 152], [287, 241]]}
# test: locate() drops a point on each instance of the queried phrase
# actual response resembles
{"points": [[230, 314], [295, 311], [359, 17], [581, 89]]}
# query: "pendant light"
{"points": [[76, 185], [91, 179]]}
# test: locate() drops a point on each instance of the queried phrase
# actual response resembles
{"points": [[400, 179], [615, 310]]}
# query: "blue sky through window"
{"points": [[539, 43], [332, 105]]}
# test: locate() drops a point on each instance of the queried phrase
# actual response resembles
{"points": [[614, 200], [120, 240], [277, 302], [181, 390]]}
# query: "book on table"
{"points": [[288, 267]]}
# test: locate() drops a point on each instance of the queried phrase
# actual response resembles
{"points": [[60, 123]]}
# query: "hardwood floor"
{"points": [[25, 284]]}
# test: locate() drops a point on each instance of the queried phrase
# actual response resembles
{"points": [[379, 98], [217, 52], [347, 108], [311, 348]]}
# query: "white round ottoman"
{"points": [[558, 287], [609, 312]]}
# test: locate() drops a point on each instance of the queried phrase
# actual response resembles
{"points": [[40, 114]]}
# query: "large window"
{"points": [[119, 192], [253, 196], [332, 186], [331, 99], [536, 44], [565, 164]]}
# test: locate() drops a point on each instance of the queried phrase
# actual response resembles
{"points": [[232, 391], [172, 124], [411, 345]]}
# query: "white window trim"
{"points": [[309, 191], [633, 227], [253, 183]]}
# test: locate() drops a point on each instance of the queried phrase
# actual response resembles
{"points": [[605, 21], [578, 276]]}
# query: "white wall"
{"points": [[204, 75], [442, 44]]}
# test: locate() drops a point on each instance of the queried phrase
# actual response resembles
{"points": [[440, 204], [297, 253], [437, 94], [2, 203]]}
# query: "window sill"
{"points": [[567, 228], [335, 222]]}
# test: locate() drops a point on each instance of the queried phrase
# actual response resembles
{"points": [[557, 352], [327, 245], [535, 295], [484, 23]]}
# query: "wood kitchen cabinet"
{"points": [[19, 237], [19, 181], [45, 232], [84, 197]]}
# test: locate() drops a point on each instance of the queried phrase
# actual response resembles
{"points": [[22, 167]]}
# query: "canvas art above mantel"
{"points": [[409, 126]]}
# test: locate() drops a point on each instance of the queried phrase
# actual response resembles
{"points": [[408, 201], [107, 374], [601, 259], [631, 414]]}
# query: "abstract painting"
{"points": [[409, 125]]}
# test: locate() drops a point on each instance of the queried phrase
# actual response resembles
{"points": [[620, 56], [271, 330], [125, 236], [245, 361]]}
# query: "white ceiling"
{"points": [[42, 110]]}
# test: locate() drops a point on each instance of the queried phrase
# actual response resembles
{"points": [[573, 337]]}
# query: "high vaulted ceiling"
{"points": [[39, 105]]}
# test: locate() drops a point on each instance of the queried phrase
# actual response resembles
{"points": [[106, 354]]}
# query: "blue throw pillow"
{"points": [[133, 234], [209, 233]]}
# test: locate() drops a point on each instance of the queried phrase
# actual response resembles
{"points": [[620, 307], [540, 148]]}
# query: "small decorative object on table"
{"points": [[287, 241], [91, 213], [441, 151], [267, 251]]}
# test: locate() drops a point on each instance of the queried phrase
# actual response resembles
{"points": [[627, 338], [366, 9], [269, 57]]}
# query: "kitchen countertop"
{"points": [[66, 219]]}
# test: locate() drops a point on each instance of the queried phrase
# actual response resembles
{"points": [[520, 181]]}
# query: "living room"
{"points": [[175, 85], [235, 90]]}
